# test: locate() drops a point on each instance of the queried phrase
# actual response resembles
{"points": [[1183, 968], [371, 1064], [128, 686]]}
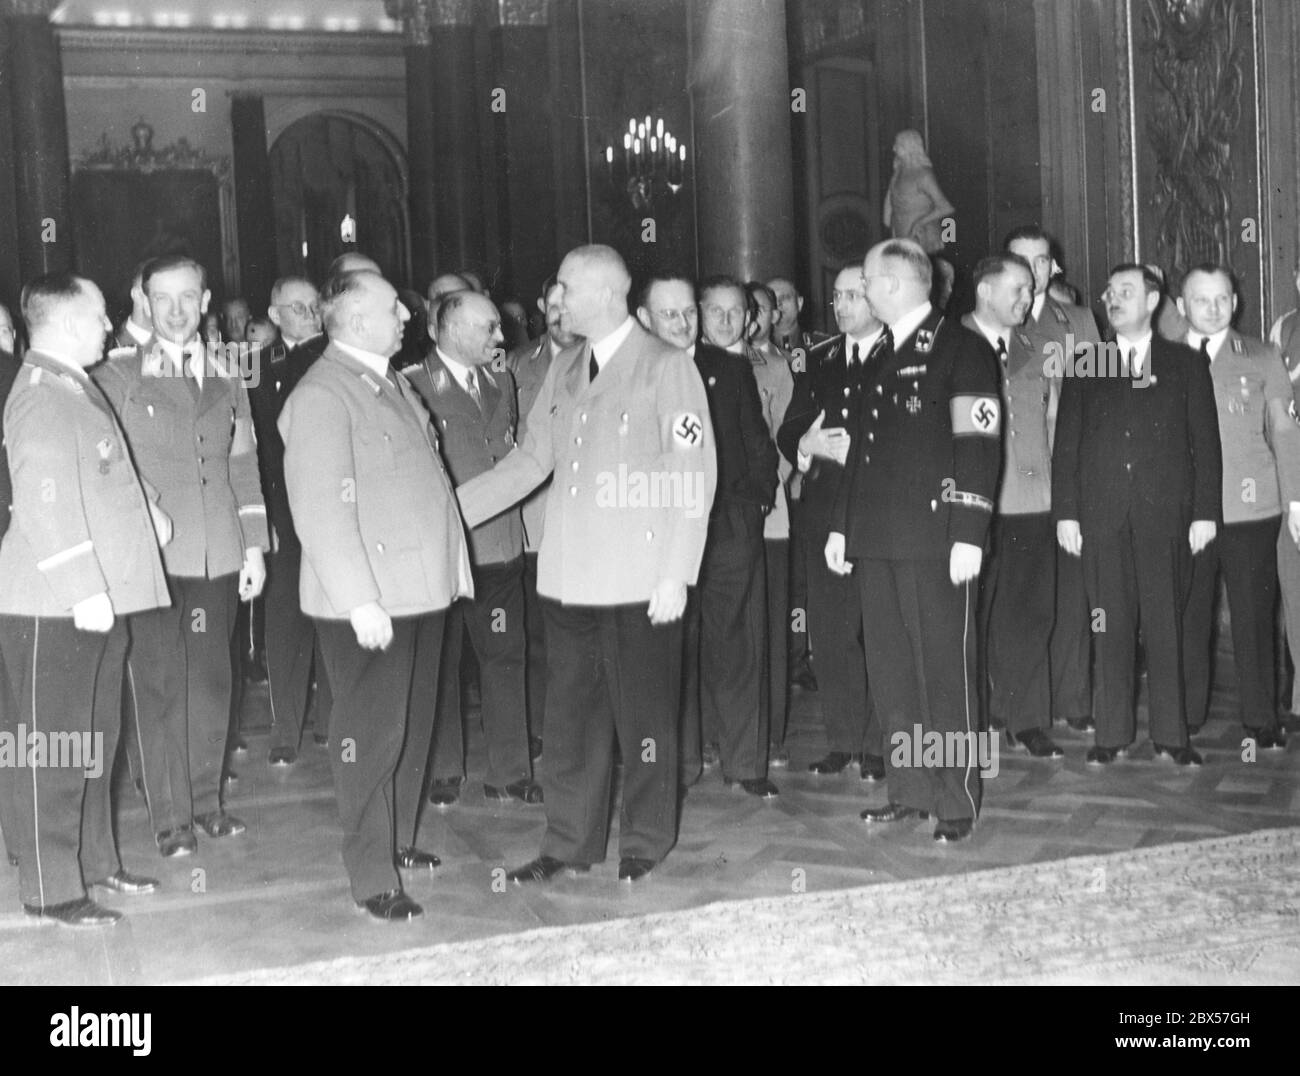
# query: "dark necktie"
{"points": [[1132, 362], [593, 368], [471, 383], [856, 358], [1002, 351], [1205, 347]]}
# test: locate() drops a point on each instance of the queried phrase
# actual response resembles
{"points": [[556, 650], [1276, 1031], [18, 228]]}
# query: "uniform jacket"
{"points": [[373, 506], [1286, 335], [1029, 401], [473, 441], [198, 449], [1149, 455], [9, 367], [775, 390], [81, 524], [745, 454], [1261, 460], [528, 366], [923, 464], [825, 383], [635, 473]]}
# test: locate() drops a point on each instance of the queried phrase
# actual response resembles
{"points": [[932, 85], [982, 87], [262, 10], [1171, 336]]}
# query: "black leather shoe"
{"points": [[892, 812], [835, 762], [712, 755], [1082, 724], [543, 869], [219, 824], [1102, 756], [631, 869], [391, 907], [873, 768], [778, 758], [803, 679], [320, 739], [177, 842], [1268, 739], [534, 747], [282, 756], [1183, 756], [951, 832], [527, 791], [82, 912], [240, 746], [128, 884], [758, 786], [444, 793], [1039, 744], [412, 859]]}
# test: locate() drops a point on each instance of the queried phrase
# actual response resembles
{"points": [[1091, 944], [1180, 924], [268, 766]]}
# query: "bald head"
{"points": [[469, 328], [595, 282], [362, 309], [897, 276]]}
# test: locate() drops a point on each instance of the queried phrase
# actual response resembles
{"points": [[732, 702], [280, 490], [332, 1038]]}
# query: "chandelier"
{"points": [[653, 163]]}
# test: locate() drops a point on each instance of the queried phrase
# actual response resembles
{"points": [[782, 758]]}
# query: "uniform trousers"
{"points": [[422, 718], [1017, 605], [1071, 646], [1137, 578], [780, 637], [799, 652], [920, 640], [63, 680], [535, 665], [367, 726], [836, 615], [180, 669], [290, 644], [494, 618], [8, 782], [1288, 574], [611, 674], [1246, 554]]}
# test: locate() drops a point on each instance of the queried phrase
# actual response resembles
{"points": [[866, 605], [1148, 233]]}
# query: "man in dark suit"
{"points": [[623, 423], [725, 672], [290, 636], [1136, 491], [383, 551], [473, 410], [815, 438], [1261, 481], [9, 365], [911, 515], [188, 422]]}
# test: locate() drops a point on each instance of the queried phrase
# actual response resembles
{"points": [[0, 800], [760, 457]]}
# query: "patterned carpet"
{"points": [[1223, 911]]}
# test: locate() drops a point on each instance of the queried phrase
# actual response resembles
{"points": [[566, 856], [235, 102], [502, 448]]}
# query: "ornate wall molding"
{"points": [[172, 42], [41, 9], [522, 12], [416, 17]]}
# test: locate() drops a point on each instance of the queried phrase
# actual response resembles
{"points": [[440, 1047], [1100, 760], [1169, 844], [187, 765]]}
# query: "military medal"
{"points": [[913, 404], [105, 449]]}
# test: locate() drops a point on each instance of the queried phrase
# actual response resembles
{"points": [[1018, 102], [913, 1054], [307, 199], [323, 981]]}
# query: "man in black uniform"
{"points": [[1136, 475], [912, 513], [815, 438]]}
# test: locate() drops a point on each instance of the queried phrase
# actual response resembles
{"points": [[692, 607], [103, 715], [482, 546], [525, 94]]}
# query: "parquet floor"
{"points": [[278, 895]]}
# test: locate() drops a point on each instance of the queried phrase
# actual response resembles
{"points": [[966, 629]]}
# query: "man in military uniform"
{"points": [[910, 520], [1018, 589], [1136, 491], [1261, 481], [528, 365], [383, 556], [187, 419], [473, 410], [623, 422], [1060, 328], [1285, 336], [815, 437], [9, 366], [80, 555]]}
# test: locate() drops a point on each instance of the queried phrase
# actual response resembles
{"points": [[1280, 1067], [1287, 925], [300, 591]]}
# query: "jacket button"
{"points": [[200, 438], [573, 491], [583, 416], [880, 390], [844, 411], [1013, 433], [577, 440], [379, 547], [649, 536], [387, 437], [875, 413], [866, 459], [871, 436], [574, 466], [846, 390]]}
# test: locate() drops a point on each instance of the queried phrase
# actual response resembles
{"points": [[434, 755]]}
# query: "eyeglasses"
{"points": [[1125, 294], [847, 297], [300, 309], [673, 315]]}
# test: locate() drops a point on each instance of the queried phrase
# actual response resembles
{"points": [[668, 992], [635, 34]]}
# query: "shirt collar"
{"points": [[991, 334], [63, 360], [1141, 345], [139, 335], [603, 350], [905, 326], [376, 363], [865, 344], [458, 369], [1040, 301], [1216, 341]]}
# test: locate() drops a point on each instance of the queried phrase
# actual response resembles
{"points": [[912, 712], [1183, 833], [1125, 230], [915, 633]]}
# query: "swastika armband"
{"points": [[970, 500], [980, 416], [688, 430]]}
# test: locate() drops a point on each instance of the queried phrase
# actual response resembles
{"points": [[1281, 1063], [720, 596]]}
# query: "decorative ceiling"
{"points": [[314, 16]]}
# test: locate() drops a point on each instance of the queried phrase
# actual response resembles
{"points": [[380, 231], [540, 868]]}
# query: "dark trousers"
{"points": [[181, 679], [920, 640], [8, 780], [290, 643], [780, 637], [367, 726], [63, 681], [1246, 554], [422, 716], [1071, 646], [494, 621], [610, 673], [1138, 579], [799, 652], [835, 625], [1017, 606], [728, 666], [535, 666]]}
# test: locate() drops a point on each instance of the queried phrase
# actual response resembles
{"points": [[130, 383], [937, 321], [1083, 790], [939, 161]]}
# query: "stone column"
{"points": [[254, 205], [417, 17], [740, 100], [10, 272]]}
